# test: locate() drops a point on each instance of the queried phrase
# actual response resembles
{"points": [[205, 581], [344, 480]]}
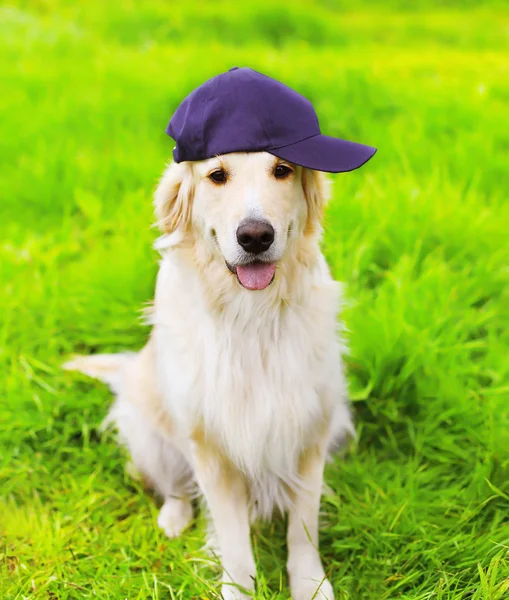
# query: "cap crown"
{"points": [[240, 111]]}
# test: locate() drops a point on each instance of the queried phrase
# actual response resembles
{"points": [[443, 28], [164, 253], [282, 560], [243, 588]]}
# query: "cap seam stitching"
{"points": [[297, 142]]}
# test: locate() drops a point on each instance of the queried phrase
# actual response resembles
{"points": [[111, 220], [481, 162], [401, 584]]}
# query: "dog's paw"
{"points": [[309, 588], [174, 516], [307, 578], [238, 582]]}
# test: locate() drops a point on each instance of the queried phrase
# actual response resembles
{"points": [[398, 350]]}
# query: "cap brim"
{"points": [[324, 153]]}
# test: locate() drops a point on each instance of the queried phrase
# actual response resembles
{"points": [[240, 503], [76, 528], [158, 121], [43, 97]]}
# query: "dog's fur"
{"points": [[240, 391]]}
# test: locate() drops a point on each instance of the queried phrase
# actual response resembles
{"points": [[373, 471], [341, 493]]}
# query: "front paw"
{"points": [[307, 577], [311, 588], [231, 592], [239, 586]]}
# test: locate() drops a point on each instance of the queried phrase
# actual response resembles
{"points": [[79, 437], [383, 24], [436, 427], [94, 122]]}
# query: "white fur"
{"points": [[242, 391], [260, 386], [254, 209]]}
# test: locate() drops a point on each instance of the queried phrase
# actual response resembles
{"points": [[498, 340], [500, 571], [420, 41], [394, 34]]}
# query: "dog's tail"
{"points": [[110, 368]]}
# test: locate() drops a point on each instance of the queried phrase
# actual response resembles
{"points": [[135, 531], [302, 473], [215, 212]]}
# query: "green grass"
{"points": [[419, 508]]}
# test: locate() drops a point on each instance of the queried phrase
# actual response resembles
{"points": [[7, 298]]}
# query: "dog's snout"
{"points": [[255, 236]]}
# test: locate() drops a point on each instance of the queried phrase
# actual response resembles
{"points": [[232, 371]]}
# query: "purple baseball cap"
{"points": [[244, 111]]}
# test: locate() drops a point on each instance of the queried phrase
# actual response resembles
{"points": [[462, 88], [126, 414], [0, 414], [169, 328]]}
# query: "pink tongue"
{"points": [[256, 276]]}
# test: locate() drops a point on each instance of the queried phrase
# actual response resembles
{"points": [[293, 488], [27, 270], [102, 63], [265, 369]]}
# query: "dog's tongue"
{"points": [[256, 276]]}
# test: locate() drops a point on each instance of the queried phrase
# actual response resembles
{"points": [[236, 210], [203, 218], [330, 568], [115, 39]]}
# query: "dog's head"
{"points": [[247, 208]]}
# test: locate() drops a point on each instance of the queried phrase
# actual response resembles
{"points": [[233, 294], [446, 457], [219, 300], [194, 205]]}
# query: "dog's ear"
{"points": [[173, 198], [317, 190]]}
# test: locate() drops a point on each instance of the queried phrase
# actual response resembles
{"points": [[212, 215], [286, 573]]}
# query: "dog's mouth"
{"points": [[255, 275]]}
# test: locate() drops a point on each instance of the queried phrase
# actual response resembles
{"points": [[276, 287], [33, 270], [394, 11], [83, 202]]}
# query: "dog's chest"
{"points": [[257, 380]]}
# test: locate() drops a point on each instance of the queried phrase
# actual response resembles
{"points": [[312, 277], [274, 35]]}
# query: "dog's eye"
{"points": [[218, 176], [282, 171]]}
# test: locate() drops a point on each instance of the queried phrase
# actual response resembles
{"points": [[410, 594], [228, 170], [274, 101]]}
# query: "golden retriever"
{"points": [[240, 389]]}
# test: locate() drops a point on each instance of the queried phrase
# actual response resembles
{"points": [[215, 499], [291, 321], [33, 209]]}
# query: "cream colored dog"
{"points": [[240, 387]]}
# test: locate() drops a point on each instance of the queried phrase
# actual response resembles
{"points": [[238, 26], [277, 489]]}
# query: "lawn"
{"points": [[419, 506]]}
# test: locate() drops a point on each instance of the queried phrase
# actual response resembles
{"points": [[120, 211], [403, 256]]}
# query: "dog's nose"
{"points": [[255, 236]]}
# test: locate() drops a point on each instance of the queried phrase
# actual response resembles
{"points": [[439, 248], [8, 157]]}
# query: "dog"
{"points": [[240, 390]]}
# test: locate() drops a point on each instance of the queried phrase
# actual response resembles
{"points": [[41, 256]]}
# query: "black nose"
{"points": [[255, 236]]}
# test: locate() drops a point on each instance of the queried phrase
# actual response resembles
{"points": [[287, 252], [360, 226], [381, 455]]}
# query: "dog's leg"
{"points": [[226, 495], [305, 570]]}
